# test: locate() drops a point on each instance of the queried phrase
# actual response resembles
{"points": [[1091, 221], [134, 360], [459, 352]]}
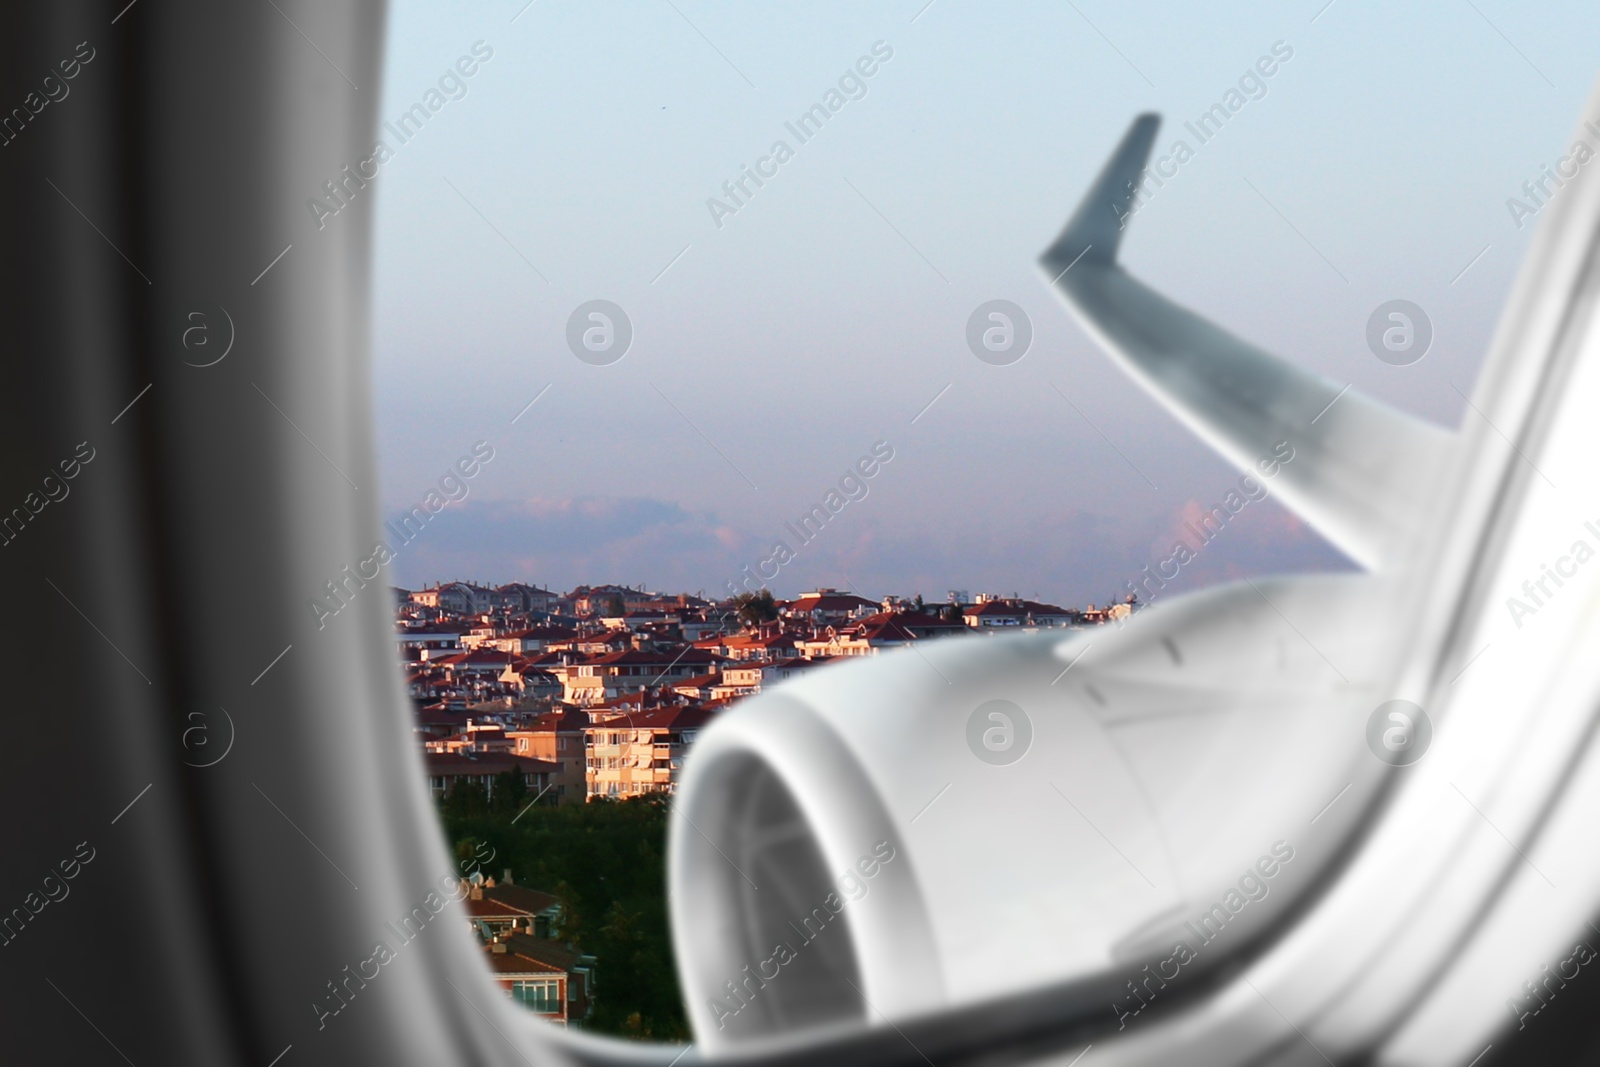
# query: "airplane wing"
{"points": [[1360, 470]]}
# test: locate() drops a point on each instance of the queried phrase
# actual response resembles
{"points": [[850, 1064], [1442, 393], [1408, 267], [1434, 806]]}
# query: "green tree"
{"points": [[467, 797], [470, 852], [510, 791], [605, 862], [753, 609]]}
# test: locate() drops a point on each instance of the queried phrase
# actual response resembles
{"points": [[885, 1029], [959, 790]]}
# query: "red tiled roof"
{"points": [[436, 715], [457, 764], [481, 657], [1007, 608], [886, 631], [558, 721], [916, 620], [520, 898], [638, 657], [491, 909], [682, 718], [545, 633], [775, 641], [544, 950], [519, 587], [639, 699], [606, 637], [798, 663], [511, 963]]}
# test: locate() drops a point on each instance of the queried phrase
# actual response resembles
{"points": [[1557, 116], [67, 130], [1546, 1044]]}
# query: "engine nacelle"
{"points": [[980, 816]]}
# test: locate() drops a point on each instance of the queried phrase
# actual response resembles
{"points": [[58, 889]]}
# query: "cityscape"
{"points": [[554, 727]]}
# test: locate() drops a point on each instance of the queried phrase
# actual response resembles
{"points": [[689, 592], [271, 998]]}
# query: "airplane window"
{"points": [[879, 523], [927, 533]]}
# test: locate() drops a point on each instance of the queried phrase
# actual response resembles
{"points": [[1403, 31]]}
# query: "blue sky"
{"points": [[776, 348]]}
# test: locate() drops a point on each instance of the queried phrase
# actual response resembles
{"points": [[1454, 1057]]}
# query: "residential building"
{"points": [[504, 908], [700, 625], [519, 596], [477, 738], [600, 678], [485, 663], [546, 977], [593, 644], [426, 641], [829, 607], [558, 738], [748, 677], [520, 929], [769, 642], [591, 600], [635, 621], [446, 769], [875, 633], [699, 687], [641, 753], [461, 598], [991, 612], [532, 679], [532, 639]]}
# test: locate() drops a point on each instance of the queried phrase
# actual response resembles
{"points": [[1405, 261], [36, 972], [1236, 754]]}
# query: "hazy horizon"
{"points": [[773, 346]]}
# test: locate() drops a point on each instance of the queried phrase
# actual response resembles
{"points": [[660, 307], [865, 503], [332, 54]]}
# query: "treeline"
{"points": [[606, 862]]}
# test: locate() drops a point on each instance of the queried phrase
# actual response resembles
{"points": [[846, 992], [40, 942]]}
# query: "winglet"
{"points": [[1095, 230], [1360, 470]]}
